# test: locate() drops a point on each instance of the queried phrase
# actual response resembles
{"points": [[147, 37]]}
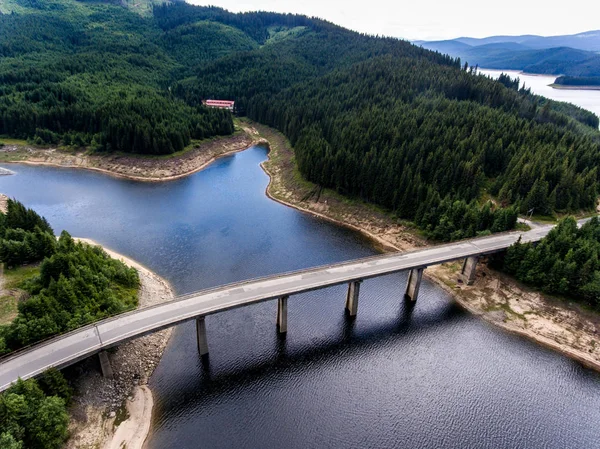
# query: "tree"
{"points": [[7, 441]]}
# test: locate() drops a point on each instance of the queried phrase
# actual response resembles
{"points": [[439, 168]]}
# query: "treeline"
{"points": [[566, 262], [254, 24], [405, 132], [33, 413], [578, 80], [447, 220], [94, 75], [24, 236], [274, 67], [129, 121], [77, 284]]}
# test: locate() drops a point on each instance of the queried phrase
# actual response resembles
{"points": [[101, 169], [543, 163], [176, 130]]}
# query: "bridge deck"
{"points": [[67, 349]]}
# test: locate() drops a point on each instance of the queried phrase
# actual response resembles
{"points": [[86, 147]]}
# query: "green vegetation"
{"points": [[566, 262], [77, 283], [26, 237], [578, 81], [93, 74], [33, 414], [8, 308], [557, 59], [378, 119], [424, 140]]}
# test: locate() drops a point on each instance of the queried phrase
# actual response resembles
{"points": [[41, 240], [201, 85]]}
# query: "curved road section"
{"points": [[66, 349]]}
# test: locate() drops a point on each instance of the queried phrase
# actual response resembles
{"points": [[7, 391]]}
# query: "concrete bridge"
{"points": [[67, 349]]}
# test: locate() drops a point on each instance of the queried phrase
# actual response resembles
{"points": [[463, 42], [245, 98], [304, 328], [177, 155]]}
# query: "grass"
{"points": [[14, 280], [510, 313], [11, 141], [128, 295], [121, 414], [8, 309], [280, 33], [547, 219]]}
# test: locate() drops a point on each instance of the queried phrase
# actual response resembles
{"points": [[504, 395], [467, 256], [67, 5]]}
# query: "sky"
{"points": [[439, 19]]}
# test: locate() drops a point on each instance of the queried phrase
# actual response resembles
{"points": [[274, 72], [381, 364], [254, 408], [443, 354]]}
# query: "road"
{"points": [[67, 349]]}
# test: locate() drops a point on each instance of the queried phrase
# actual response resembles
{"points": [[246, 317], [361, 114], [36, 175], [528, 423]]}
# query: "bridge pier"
{"points": [[105, 365], [282, 314], [469, 269], [201, 336], [414, 284], [352, 298]]}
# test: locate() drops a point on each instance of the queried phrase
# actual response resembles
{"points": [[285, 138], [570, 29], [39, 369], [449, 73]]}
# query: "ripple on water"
{"points": [[427, 377]]}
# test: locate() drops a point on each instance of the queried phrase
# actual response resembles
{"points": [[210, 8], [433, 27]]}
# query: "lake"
{"points": [[424, 377], [540, 84]]}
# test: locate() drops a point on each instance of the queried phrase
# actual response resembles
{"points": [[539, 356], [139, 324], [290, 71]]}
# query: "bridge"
{"points": [[69, 348]]}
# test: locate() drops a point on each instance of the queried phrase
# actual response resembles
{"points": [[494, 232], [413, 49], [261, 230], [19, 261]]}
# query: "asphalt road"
{"points": [[67, 349]]}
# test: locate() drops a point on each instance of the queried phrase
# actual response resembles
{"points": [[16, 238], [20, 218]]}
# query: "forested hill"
{"points": [[93, 74], [372, 117]]}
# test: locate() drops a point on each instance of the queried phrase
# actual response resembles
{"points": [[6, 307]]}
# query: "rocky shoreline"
{"points": [[498, 299], [136, 167], [99, 402]]}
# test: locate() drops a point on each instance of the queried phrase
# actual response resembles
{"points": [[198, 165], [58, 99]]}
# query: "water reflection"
{"points": [[430, 376]]}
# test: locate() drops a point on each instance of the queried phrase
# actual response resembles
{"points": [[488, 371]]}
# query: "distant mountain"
{"points": [[573, 55], [472, 41], [588, 41], [452, 48]]}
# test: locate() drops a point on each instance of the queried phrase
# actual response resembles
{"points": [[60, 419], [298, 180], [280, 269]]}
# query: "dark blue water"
{"points": [[432, 376]]}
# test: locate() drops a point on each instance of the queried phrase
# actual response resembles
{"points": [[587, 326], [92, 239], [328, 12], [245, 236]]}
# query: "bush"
{"points": [[29, 418], [77, 283], [565, 262]]}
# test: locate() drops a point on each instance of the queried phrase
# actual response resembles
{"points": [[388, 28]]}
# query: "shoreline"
{"points": [[99, 402], [498, 299], [573, 87], [136, 167]]}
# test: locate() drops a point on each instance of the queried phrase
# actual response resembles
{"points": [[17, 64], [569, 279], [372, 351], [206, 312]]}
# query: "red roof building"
{"points": [[221, 104]]}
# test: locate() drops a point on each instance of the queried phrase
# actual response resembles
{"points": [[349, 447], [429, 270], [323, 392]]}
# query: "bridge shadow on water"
{"points": [[202, 383]]}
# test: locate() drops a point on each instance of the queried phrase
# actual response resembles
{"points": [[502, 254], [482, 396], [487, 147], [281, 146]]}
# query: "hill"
{"points": [[588, 41], [377, 118], [95, 74], [516, 56], [574, 55]]}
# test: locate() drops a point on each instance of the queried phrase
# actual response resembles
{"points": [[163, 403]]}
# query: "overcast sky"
{"points": [[439, 19]]}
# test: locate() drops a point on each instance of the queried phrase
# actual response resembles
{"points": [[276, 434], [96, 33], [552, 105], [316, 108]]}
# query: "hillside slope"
{"points": [[587, 41], [376, 118], [518, 56]]}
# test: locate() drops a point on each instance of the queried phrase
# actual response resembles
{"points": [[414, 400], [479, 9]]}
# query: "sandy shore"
{"points": [[560, 325], [132, 432], [135, 167], [573, 87], [3, 203], [100, 402]]}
